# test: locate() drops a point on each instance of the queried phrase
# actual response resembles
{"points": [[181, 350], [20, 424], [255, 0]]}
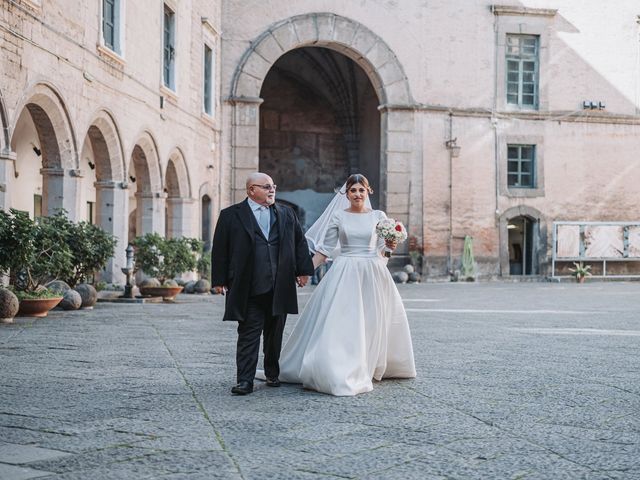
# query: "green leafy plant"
{"points": [[32, 252], [91, 249], [40, 293], [581, 270], [165, 259], [204, 265]]}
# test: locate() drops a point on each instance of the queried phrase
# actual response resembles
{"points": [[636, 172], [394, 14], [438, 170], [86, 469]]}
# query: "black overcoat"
{"points": [[232, 259]]}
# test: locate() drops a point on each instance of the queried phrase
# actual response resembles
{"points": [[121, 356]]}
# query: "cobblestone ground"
{"points": [[515, 381]]}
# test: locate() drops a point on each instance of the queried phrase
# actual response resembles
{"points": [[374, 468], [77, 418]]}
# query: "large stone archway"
{"points": [[399, 162], [180, 204], [146, 193], [57, 148], [110, 187], [539, 240]]}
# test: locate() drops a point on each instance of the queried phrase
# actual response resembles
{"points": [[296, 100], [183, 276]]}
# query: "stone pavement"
{"points": [[515, 381]]}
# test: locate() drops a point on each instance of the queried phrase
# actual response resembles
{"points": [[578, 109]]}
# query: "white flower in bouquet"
{"points": [[390, 230]]}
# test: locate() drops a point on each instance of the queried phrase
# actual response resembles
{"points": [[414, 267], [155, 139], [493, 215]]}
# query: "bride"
{"points": [[354, 327]]}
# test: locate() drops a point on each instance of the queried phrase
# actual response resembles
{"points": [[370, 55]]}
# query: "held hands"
{"points": [[302, 280], [220, 289]]}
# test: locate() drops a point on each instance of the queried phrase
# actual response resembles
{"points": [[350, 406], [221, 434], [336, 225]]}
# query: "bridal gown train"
{"points": [[354, 327]]}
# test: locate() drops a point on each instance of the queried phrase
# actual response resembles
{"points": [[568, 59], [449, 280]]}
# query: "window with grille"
{"points": [[522, 70], [521, 163], [208, 80], [169, 54]]}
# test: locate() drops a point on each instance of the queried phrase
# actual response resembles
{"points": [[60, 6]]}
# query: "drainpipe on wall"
{"points": [[450, 252], [638, 68], [494, 125]]}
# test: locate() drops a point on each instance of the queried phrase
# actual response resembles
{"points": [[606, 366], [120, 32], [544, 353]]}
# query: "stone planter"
{"points": [[168, 294], [37, 307]]}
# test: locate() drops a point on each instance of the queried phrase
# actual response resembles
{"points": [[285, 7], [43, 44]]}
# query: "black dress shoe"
{"points": [[242, 388], [273, 382]]}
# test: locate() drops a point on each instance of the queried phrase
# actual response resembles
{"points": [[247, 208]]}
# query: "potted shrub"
{"points": [[581, 271], [91, 248], [32, 253], [164, 259]]}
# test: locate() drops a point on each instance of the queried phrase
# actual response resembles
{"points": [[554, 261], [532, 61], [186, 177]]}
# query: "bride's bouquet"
{"points": [[390, 230]]}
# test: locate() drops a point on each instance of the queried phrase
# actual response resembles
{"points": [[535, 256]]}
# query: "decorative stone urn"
{"points": [[37, 307], [9, 305]]}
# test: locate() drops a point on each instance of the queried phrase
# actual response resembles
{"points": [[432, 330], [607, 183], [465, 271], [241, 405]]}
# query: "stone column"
{"points": [[52, 190], [150, 216], [112, 205], [182, 212], [245, 127], [401, 179], [7, 166], [60, 191]]}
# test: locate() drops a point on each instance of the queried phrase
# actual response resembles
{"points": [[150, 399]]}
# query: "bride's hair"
{"points": [[357, 178]]}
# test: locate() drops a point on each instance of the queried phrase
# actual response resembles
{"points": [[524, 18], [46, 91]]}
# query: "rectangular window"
{"points": [[521, 166], [37, 206], [522, 70], [111, 24], [90, 212], [169, 54], [208, 80]]}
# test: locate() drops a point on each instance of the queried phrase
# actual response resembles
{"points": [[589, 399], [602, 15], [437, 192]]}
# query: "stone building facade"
{"points": [[105, 116], [489, 120], [470, 118]]}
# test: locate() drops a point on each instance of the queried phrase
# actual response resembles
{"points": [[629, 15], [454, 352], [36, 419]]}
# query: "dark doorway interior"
{"points": [[319, 122], [522, 240]]}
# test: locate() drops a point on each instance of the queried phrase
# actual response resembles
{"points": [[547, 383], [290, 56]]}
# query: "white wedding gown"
{"points": [[354, 327]]}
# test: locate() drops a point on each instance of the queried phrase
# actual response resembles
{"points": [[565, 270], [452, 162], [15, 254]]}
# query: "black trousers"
{"points": [[259, 319]]}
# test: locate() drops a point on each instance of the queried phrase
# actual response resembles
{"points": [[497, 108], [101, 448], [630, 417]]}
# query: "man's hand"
{"points": [[220, 289], [302, 280]]}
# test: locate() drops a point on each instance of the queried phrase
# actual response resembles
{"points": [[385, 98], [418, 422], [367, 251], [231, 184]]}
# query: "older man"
{"points": [[259, 254]]}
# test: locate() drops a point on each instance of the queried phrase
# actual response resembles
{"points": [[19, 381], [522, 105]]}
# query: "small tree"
{"points": [[91, 249], [166, 258], [33, 252]]}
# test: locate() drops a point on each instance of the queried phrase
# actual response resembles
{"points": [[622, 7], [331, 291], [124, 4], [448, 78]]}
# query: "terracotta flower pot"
{"points": [[168, 294], [37, 307]]}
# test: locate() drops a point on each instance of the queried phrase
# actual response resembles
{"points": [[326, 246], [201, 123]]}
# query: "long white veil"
{"points": [[316, 233]]}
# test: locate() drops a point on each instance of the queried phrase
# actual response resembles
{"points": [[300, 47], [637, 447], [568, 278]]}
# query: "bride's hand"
{"points": [[391, 244], [318, 259]]}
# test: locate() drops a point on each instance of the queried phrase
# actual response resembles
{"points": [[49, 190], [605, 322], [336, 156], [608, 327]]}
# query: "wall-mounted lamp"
{"points": [[36, 150], [210, 167], [133, 179], [92, 165], [453, 147]]}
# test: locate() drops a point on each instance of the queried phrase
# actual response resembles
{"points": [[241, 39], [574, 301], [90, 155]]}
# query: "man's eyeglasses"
{"points": [[268, 186]]}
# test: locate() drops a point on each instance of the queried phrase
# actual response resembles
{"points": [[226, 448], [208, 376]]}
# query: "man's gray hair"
{"points": [[255, 177]]}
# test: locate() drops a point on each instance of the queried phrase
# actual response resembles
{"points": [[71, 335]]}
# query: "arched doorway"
{"points": [[319, 122], [522, 241], [46, 169], [205, 221], [400, 182], [146, 196], [103, 197], [179, 213], [206, 195]]}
